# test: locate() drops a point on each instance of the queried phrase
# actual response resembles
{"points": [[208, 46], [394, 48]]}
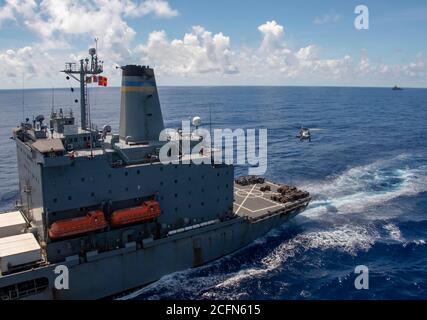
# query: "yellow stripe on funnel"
{"points": [[138, 89]]}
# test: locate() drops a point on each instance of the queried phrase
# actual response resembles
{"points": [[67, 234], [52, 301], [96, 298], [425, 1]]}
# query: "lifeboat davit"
{"points": [[94, 220], [148, 210]]}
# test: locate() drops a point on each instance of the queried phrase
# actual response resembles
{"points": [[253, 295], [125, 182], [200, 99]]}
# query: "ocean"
{"points": [[366, 168]]}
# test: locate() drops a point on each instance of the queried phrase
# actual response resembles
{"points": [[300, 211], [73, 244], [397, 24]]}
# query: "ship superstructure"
{"points": [[104, 205]]}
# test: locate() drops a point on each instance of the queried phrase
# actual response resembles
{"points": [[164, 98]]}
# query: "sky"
{"points": [[234, 42]]}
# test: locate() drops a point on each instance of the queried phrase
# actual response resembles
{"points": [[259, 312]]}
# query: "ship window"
{"points": [[109, 175], [161, 168], [202, 204], [83, 179], [203, 176], [189, 178], [217, 174], [126, 173], [176, 167], [176, 209], [217, 200], [138, 172], [217, 187], [161, 183], [189, 205], [176, 195], [189, 192], [55, 200], [161, 197], [126, 189], [109, 191], [226, 185], [92, 194], [69, 198], [203, 190], [176, 181]]}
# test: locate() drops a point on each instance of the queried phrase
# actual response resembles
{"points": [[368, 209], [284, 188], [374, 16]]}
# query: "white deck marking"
{"points": [[272, 201], [262, 209], [245, 199]]}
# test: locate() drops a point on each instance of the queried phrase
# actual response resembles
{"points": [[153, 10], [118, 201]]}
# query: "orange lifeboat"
{"points": [[94, 220], [148, 210]]}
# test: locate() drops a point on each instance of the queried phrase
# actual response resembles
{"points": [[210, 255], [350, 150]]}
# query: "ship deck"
{"points": [[251, 202]]}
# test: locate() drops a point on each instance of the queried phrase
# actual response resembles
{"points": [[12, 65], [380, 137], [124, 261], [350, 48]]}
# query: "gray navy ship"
{"points": [[105, 209]]}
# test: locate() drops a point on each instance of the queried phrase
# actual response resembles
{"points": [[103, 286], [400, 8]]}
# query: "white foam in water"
{"points": [[358, 190], [355, 189], [394, 232], [347, 238]]}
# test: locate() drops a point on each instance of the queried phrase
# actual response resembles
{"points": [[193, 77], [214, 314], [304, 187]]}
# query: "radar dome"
{"points": [[106, 128], [196, 121]]}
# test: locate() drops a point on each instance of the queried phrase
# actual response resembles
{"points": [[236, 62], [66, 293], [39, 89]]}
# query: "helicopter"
{"points": [[305, 134]]}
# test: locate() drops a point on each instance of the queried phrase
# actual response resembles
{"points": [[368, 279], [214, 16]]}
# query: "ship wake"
{"points": [[349, 213]]}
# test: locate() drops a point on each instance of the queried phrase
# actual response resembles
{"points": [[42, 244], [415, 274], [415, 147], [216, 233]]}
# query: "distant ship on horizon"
{"points": [[397, 88]]}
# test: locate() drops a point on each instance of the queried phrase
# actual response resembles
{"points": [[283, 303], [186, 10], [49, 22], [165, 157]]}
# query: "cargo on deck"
{"points": [[11, 223], [18, 250]]}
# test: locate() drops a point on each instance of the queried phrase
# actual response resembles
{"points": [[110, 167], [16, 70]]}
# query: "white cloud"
{"points": [[29, 63], [272, 33], [198, 57], [198, 52], [203, 55], [417, 68], [6, 13], [160, 8], [14, 63], [13, 8], [59, 21]]}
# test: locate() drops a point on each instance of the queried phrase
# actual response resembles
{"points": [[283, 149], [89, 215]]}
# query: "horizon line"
{"points": [[234, 85]]}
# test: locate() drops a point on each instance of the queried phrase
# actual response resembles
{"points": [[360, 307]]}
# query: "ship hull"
{"points": [[110, 273]]}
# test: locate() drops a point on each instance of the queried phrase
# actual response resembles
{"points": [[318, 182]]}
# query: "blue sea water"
{"points": [[366, 168]]}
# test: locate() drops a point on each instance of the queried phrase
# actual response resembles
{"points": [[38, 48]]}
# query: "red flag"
{"points": [[102, 81]]}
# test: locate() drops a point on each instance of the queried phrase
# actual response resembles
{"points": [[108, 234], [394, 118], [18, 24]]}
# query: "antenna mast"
{"points": [[91, 66], [210, 129], [23, 96], [53, 99]]}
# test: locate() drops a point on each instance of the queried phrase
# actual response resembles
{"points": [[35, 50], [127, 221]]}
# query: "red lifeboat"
{"points": [[94, 220], [148, 210]]}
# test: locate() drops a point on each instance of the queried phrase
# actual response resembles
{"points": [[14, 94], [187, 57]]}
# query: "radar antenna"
{"points": [[87, 67]]}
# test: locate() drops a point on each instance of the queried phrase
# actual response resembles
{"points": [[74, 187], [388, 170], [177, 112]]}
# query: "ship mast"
{"points": [[92, 66]]}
